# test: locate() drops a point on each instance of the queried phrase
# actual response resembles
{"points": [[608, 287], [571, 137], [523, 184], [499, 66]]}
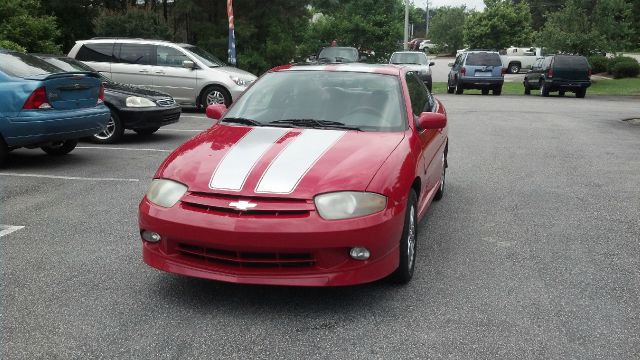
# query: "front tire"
{"points": [[112, 133], [404, 272], [459, 89], [4, 152], [527, 89], [443, 175], [544, 90], [514, 68], [60, 148], [450, 89], [215, 95]]}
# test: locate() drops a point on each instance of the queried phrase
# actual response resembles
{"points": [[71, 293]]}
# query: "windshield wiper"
{"points": [[243, 121], [313, 123]]}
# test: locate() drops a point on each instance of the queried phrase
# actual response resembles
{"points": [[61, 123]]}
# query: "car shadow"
{"points": [[22, 159]]}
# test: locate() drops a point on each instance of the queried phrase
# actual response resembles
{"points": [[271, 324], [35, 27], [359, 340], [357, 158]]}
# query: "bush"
{"points": [[620, 60], [10, 45], [599, 63], [624, 69]]}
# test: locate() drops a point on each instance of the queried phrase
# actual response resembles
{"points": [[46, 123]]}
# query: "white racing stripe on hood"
{"points": [[234, 168], [291, 165]]}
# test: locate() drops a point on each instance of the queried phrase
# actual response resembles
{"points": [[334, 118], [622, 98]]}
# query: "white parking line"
{"points": [[67, 177], [8, 229], [184, 130], [120, 148]]}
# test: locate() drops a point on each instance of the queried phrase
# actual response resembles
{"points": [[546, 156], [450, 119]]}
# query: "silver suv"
{"points": [[192, 76], [417, 62]]}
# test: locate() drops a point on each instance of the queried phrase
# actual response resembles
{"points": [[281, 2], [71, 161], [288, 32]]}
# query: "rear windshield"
{"points": [[484, 59], [24, 65], [571, 62]]}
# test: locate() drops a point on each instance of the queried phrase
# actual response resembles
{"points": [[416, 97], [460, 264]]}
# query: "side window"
{"points": [[167, 56], [418, 94], [140, 54], [547, 62], [101, 52]]}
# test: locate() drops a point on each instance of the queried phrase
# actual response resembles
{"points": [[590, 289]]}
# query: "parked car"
{"points": [[141, 110], [191, 75], [338, 54], [416, 61], [560, 73], [476, 70], [316, 176], [42, 106], [515, 59]]}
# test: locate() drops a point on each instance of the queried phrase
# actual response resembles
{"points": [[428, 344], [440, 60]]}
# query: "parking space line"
{"points": [[184, 130], [120, 148], [67, 177], [8, 229]]}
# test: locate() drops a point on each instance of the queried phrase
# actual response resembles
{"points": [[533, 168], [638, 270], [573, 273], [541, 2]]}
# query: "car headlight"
{"points": [[349, 204], [136, 101], [165, 193], [240, 82]]}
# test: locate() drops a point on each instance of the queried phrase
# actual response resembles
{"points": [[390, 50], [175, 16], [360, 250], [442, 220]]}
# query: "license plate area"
{"points": [[483, 73]]}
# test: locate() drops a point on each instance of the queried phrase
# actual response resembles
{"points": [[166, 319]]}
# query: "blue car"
{"points": [[476, 69], [42, 106]]}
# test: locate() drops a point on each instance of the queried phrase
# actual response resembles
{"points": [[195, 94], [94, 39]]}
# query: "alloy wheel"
{"points": [[215, 97], [108, 131]]}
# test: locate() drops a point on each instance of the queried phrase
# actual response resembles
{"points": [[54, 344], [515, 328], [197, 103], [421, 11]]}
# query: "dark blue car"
{"points": [[41, 106]]}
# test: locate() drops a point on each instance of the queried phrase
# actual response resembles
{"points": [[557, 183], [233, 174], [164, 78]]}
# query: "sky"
{"points": [[471, 4]]}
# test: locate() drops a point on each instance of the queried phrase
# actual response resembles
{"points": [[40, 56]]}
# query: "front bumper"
{"points": [[473, 82], [271, 250], [139, 118]]}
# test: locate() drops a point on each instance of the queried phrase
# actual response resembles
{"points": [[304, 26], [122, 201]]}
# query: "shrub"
{"points": [[10, 45], [613, 62], [625, 69], [599, 63]]}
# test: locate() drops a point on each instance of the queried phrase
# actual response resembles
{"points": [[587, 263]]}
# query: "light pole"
{"points": [[406, 24], [426, 33]]}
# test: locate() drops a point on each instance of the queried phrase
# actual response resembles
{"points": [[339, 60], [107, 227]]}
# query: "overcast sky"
{"points": [[471, 4]]}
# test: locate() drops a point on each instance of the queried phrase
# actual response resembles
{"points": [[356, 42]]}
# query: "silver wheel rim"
{"points": [[108, 131], [411, 237], [514, 69], [542, 89], [215, 97]]}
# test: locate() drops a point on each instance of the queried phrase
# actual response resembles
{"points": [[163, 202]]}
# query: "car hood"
{"points": [[133, 90], [236, 72], [278, 162]]}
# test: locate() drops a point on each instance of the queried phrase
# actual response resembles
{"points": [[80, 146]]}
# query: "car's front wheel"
{"points": [[112, 133], [215, 95], [443, 175], [61, 147], [544, 90], [514, 68], [459, 89], [527, 89], [404, 272]]}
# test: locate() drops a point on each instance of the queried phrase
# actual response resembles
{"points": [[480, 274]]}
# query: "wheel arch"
{"points": [[199, 101]]}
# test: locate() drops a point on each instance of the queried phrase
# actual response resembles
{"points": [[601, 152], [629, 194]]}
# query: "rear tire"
{"points": [[527, 89], [459, 89], [497, 91], [146, 131], [450, 89], [514, 68], [580, 94], [112, 133], [60, 148], [561, 92], [407, 253], [485, 91], [544, 90]]}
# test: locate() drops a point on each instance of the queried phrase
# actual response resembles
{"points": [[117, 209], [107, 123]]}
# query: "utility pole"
{"points": [[406, 24], [426, 33]]}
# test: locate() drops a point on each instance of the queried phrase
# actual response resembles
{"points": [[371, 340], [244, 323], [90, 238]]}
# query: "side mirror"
{"points": [[450, 64], [188, 64], [216, 111], [430, 120], [432, 63]]}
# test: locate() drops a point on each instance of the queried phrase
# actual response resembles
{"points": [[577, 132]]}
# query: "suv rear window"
{"points": [[571, 62], [23, 65], [484, 59], [101, 52]]}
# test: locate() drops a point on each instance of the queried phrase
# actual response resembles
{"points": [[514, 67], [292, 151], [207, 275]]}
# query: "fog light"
{"points": [[150, 236], [359, 253]]}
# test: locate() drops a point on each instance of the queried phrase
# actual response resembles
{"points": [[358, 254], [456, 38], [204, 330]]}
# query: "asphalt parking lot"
{"points": [[532, 253]]}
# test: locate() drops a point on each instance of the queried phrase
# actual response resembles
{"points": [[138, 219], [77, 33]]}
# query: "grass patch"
{"points": [[616, 87]]}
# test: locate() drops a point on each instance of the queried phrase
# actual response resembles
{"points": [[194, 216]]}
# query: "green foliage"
{"points": [[133, 23], [623, 66], [502, 24], [570, 31], [613, 19], [74, 18], [10, 45], [22, 23], [447, 28], [599, 63]]}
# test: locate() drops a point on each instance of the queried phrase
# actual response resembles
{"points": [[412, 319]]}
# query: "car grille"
{"points": [[260, 206], [243, 259], [166, 102]]}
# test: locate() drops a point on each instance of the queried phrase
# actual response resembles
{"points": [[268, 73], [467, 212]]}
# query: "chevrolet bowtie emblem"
{"points": [[242, 205]]}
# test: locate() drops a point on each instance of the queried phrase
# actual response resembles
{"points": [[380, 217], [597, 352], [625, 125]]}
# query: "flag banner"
{"points": [[232, 35]]}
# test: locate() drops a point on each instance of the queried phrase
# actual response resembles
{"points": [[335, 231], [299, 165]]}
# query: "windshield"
{"points": [[24, 65], [368, 102], [204, 56], [338, 54], [71, 65], [409, 58], [484, 59]]}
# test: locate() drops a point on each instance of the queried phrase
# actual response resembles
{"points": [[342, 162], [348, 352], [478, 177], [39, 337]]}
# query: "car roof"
{"points": [[386, 69], [132, 40], [409, 52]]}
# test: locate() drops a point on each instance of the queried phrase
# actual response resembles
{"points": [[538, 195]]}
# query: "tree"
{"points": [[613, 19], [500, 25], [570, 30], [74, 18], [447, 28], [22, 23], [132, 23]]}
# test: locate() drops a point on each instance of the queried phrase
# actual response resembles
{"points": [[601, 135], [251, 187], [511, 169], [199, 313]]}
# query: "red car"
{"points": [[315, 176]]}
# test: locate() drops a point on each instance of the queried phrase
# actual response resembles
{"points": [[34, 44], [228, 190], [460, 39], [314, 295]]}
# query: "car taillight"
{"points": [[463, 71], [504, 71], [37, 100], [101, 94], [589, 72], [550, 72]]}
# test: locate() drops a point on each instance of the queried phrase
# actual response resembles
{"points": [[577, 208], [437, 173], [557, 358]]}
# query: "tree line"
{"points": [[280, 31]]}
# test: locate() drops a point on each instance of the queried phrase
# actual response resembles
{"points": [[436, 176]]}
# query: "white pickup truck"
{"points": [[514, 58]]}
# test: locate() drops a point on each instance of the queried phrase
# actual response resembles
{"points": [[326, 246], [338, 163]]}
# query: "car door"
{"points": [[172, 77], [421, 101], [453, 74], [133, 64]]}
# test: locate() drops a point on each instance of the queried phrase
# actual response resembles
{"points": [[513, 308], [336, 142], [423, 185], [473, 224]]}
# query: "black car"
{"points": [[141, 110], [559, 73]]}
